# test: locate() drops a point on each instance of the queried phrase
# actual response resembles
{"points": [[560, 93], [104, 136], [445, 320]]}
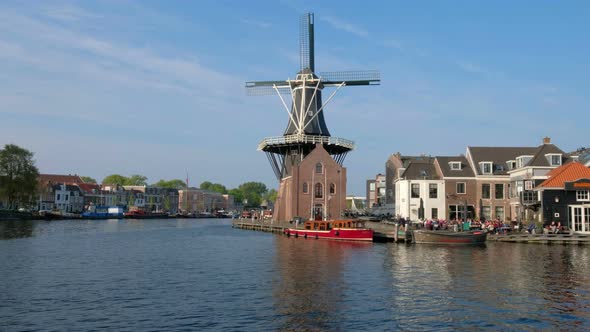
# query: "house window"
{"points": [[485, 190], [319, 191], [58, 197], [434, 213], [319, 168], [511, 164], [332, 189], [499, 191], [528, 185], [555, 159], [415, 190], [486, 168], [305, 188], [455, 165], [583, 195], [67, 198], [433, 190], [486, 213], [499, 213], [460, 187]]}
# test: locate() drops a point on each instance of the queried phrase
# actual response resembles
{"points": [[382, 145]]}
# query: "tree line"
{"points": [[19, 182], [248, 193]]}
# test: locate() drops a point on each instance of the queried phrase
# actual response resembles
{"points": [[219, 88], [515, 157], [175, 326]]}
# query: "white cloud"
{"points": [[346, 26], [68, 13]]}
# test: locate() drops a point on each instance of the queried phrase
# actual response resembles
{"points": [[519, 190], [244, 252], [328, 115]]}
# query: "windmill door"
{"points": [[318, 212]]}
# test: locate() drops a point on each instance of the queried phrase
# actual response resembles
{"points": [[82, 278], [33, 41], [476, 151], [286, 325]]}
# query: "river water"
{"points": [[201, 274]]}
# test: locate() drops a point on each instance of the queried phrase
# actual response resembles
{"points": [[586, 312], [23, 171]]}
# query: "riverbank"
{"points": [[386, 232]]}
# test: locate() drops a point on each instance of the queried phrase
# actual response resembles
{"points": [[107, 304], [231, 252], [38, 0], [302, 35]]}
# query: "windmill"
{"points": [[307, 126]]}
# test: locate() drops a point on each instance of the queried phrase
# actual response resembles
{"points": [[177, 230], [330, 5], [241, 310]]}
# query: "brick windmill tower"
{"points": [[306, 160]]}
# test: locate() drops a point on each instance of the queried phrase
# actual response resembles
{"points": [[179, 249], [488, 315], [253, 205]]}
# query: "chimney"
{"points": [[547, 140]]}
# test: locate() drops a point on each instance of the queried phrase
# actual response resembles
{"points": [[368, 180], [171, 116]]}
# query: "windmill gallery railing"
{"points": [[305, 139]]}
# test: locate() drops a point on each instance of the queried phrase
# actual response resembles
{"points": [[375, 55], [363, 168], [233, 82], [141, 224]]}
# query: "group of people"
{"points": [[493, 226], [553, 228]]}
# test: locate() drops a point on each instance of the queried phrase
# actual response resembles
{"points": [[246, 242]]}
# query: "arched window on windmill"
{"points": [[319, 190], [319, 168], [305, 188], [332, 188]]}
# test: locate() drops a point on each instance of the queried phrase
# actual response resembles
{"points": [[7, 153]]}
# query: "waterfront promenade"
{"points": [[387, 232]]}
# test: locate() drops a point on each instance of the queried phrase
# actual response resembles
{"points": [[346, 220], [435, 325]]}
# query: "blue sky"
{"points": [[156, 87]]}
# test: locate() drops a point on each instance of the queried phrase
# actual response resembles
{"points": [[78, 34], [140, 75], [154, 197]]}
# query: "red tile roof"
{"points": [[60, 179], [567, 173], [89, 187]]}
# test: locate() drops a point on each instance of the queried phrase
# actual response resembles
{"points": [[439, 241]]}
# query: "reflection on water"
{"points": [[311, 282], [15, 229], [203, 275], [508, 286]]}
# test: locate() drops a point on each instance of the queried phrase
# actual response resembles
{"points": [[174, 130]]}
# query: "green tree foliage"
{"points": [[88, 179], [216, 187], [166, 203], [18, 176], [133, 180], [136, 180], [115, 179], [271, 195], [237, 194], [253, 192], [173, 184]]}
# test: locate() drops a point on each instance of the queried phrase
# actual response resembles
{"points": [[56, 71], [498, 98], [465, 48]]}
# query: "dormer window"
{"points": [[511, 164], [455, 165], [554, 159], [486, 167], [521, 161]]}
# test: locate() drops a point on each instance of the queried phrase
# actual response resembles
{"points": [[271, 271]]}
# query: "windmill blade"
{"points": [[306, 42], [266, 88], [350, 78]]}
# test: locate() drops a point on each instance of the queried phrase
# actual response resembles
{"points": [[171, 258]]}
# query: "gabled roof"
{"points": [[498, 156], [540, 160], [57, 178], [421, 170], [566, 173], [89, 187], [464, 172]]}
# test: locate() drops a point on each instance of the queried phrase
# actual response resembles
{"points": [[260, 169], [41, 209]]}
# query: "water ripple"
{"points": [[187, 275]]}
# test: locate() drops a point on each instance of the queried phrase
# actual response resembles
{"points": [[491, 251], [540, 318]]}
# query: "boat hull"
{"points": [[444, 237], [341, 234]]}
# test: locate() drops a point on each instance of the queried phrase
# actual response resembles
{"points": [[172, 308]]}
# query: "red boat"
{"points": [[346, 230]]}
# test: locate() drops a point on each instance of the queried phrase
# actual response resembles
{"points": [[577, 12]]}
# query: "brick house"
{"points": [[316, 189], [460, 187]]}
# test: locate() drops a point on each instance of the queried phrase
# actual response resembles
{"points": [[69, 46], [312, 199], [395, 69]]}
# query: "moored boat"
{"points": [[140, 214], [103, 212], [448, 237], [344, 230]]}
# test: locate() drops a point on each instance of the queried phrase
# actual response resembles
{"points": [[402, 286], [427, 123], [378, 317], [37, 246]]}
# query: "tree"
{"points": [[136, 180], [115, 179], [237, 194], [166, 203], [173, 184], [216, 187], [88, 179], [271, 196], [18, 175], [253, 192]]}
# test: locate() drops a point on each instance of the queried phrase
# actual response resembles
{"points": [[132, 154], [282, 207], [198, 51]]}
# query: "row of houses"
{"points": [[505, 183], [69, 193]]}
